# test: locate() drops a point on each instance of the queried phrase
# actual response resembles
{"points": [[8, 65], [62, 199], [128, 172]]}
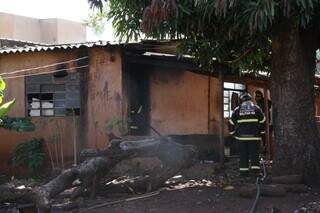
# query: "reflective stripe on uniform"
{"points": [[231, 133], [263, 132], [263, 120], [139, 110], [255, 167], [134, 127], [231, 122], [247, 138], [244, 169], [247, 121]]}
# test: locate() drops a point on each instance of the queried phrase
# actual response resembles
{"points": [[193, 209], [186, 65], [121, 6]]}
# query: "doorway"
{"points": [[138, 91]]}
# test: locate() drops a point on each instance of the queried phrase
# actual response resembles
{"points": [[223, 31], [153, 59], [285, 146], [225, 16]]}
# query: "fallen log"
{"points": [[173, 156], [11, 193]]}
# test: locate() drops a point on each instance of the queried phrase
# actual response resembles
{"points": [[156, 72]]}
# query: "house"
{"points": [[49, 31], [81, 92]]}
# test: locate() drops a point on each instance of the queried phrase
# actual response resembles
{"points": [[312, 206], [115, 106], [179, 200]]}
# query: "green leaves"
{"points": [[4, 108], [97, 21], [236, 31], [2, 84], [18, 124], [2, 88], [29, 154]]}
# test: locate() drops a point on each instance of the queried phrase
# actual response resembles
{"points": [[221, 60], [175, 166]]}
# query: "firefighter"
{"points": [[247, 126]]}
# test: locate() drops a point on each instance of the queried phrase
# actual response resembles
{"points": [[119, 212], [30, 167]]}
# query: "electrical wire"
{"points": [[42, 67], [47, 72], [153, 46], [69, 61]]}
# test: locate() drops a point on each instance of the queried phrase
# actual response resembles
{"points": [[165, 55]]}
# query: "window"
{"points": [[231, 89], [53, 95]]}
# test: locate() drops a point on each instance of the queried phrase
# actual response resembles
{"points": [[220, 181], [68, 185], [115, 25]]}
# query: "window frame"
{"points": [[230, 90], [54, 82]]}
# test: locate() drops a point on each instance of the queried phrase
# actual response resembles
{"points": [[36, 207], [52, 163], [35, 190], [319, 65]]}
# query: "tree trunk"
{"points": [[292, 90], [173, 157]]}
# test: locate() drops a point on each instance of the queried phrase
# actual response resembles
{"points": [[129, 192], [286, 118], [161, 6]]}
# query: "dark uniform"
{"points": [[247, 125]]}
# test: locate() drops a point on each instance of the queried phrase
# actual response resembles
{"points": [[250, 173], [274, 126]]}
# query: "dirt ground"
{"points": [[201, 189], [203, 199]]}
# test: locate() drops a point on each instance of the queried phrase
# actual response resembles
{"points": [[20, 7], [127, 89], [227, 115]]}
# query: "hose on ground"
{"points": [[259, 180]]}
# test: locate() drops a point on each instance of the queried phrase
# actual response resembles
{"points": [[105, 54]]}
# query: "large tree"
{"points": [[277, 36]]}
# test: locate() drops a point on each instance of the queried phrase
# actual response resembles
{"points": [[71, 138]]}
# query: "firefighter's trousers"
{"points": [[249, 156]]}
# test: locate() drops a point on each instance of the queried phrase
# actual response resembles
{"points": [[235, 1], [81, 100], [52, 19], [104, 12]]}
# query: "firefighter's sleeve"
{"points": [[232, 123], [262, 121]]}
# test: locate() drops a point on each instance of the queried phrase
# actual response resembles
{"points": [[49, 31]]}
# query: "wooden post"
{"points": [[221, 129], [267, 130]]}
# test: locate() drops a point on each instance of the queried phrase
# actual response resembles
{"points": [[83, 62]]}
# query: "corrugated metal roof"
{"points": [[47, 47]]}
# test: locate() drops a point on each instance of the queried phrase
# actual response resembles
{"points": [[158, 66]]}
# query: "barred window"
{"points": [[231, 89], [53, 95]]}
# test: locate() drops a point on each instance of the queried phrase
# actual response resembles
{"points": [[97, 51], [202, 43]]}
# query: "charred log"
{"points": [[173, 157]]}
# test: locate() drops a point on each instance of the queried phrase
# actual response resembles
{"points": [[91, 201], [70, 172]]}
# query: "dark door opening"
{"points": [[138, 97]]}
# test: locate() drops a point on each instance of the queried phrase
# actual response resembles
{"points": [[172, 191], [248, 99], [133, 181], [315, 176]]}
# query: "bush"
{"points": [[29, 154]]}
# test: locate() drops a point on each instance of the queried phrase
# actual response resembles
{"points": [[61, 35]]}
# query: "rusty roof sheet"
{"points": [[34, 47]]}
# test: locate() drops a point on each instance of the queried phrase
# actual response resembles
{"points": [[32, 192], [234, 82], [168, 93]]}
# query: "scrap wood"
{"points": [[147, 195]]}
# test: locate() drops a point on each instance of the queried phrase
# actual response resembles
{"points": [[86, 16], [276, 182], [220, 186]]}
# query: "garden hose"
{"points": [[259, 180]]}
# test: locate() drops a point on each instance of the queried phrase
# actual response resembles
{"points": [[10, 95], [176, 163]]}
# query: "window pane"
{"points": [[47, 112], [226, 100], [59, 96], [47, 88], [59, 112], [73, 88], [47, 104], [60, 88], [59, 103], [73, 95], [75, 103], [33, 88], [34, 112], [34, 105], [33, 96], [46, 96], [240, 86], [226, 107], [229, 85], [226, 114], [226, 93]]}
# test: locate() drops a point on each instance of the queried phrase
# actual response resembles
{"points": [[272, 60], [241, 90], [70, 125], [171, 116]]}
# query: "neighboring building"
{"points": [[48, 31], [91, 85]]}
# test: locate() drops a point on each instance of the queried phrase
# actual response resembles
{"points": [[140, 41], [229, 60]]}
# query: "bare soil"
{"points": [[202, 189], [203, 199], [199, 189]]}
